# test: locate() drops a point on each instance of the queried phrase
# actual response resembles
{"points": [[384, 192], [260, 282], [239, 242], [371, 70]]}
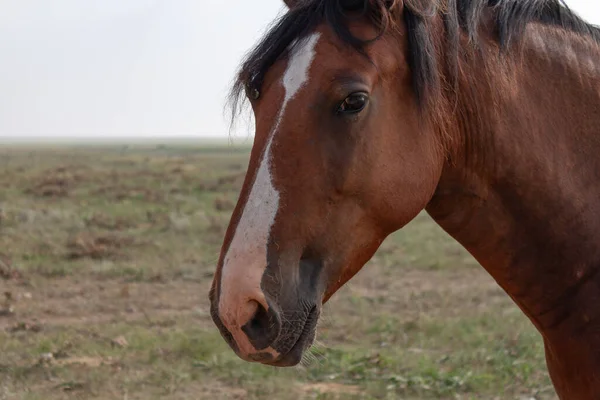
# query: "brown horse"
{"points": [[485, 113]]}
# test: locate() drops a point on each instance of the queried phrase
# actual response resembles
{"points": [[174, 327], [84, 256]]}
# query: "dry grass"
{"points": [[106, 257]]}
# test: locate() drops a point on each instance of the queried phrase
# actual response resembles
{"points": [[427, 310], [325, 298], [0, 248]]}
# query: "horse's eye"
{"points": [[252, 92], [354, 103], [252, 88]]}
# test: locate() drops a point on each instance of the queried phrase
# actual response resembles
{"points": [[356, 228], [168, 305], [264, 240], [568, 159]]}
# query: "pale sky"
{"points": [[144, 68]]}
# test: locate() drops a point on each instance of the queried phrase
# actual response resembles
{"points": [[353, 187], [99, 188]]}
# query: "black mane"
{"points": [[511, 16]]}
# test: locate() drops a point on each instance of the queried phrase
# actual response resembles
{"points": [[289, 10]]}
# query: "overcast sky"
{"points": [[143, 68]]}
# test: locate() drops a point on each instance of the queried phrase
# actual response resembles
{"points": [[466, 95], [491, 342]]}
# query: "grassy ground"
{"points": [[106, 257]]}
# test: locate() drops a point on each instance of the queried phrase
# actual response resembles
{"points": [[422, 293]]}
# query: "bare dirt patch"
{"points": [[57, 182], [98, 246], [224, 183], [330, 388], [108, 222], [7, 271], [72, 302], [92, 362], [422, 292]]}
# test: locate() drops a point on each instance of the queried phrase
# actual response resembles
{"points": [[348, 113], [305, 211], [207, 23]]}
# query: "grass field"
{"points": [[107, 254]]}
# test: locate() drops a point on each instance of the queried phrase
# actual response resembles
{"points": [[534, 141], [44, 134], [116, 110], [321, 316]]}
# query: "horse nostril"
{"points": [[260, 323], [263, 328]]}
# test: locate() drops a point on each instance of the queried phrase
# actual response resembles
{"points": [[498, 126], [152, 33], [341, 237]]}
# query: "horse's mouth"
{"points": [[304, 341]]}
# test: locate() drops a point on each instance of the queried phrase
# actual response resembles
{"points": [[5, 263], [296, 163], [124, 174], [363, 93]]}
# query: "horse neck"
{"points": [[523, 192]]}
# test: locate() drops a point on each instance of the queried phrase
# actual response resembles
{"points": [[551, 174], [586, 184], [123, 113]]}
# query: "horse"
{"points": [[483, 113]]}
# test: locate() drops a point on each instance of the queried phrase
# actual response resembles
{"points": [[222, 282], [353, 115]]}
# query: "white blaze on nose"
{"points": [[246, 258]]}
